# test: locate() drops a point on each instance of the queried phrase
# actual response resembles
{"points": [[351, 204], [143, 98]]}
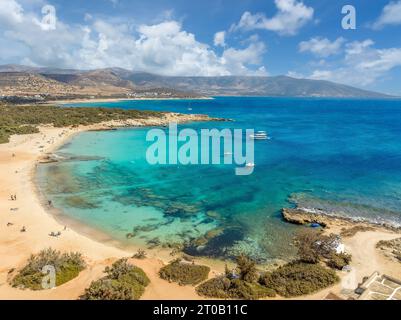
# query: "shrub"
{"points": [[215, 288], [231, 286], [247, 269], [338, 260], [314, 246], [224, 288], [109, 289], [141, 254], [123, 281], [184, 273], [67, 267], [298, 278]]}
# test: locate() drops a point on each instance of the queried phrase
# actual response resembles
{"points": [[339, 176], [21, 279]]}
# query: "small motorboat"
{"points": [[250, 165], [259, 135]]}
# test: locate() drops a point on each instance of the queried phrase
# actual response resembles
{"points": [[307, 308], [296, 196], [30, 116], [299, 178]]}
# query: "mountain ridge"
{"points": [[122, 81]]}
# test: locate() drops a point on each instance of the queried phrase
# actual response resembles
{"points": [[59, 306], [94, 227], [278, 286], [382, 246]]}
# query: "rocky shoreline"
{"points": [[302, 216]]}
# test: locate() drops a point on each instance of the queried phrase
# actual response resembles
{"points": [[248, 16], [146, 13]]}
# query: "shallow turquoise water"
{"points": [[342, 156]]}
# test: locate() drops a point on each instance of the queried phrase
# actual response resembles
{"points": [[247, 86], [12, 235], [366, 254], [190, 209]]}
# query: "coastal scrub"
{"points": [[66, 265], [123, 281], [184, 273], [25, 119], [241, 283], [299, 278]]}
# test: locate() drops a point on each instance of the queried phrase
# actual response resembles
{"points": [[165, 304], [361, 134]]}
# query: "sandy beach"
{"points": [[18, 159]]}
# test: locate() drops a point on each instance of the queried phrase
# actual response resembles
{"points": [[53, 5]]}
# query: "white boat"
{"points": [[259, 135], [250, 165]]}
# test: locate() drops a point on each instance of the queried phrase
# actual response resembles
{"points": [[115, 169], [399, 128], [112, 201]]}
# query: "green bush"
{"points": [[184, 273], [314, 247], [298, 278], [109, 289], [67, 267], [123, 281], [338, 260], [247, 269], [224, 288], [215, 288]]}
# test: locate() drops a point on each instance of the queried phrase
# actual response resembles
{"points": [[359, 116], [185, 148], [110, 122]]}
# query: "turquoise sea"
{"points": [[341, 156]]}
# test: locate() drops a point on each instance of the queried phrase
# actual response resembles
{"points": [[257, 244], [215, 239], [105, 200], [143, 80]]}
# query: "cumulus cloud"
{"points": [[322, 47], [220, 39], [291, 16], [391, 15], [236, 59], [10, 12], [163, 48], [363, 64]]}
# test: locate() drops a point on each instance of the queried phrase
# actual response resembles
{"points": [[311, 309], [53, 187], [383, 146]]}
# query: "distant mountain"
{"points": [[121, 81], [96, 78], [254, 86]]}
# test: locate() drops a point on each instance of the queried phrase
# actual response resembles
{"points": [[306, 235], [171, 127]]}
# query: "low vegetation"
{"points": [[123, 281], [140, 254], [184, 273], [290, 280], [241, 283], [225, 288], [67, 266], [299, 278], [25, 119], [338, 260], [314, 247], [7, 131], [350, 232], [392, 248]]}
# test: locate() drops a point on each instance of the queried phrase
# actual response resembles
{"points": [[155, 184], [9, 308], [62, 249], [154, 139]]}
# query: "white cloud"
{"points": [[322, 47], [163, 48], [391, 15], [362, 64], [291, 16], [220, 39], [10, 12], [237, 59]]}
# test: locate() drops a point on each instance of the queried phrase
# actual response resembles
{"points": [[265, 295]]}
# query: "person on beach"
{"points": [[23, 229]]}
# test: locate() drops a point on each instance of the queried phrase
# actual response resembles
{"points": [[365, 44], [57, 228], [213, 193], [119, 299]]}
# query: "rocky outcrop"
{"points": [[349, 226], [302, 217]]}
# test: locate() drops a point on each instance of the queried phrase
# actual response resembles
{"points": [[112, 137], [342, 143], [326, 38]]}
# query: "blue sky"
{"points": [[300, 38]]}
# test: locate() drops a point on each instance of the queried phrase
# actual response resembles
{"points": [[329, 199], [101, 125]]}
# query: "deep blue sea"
{"points": [[340, 156]]}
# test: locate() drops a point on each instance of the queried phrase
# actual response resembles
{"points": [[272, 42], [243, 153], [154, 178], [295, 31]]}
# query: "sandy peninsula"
{"points": [[18, 160]]}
